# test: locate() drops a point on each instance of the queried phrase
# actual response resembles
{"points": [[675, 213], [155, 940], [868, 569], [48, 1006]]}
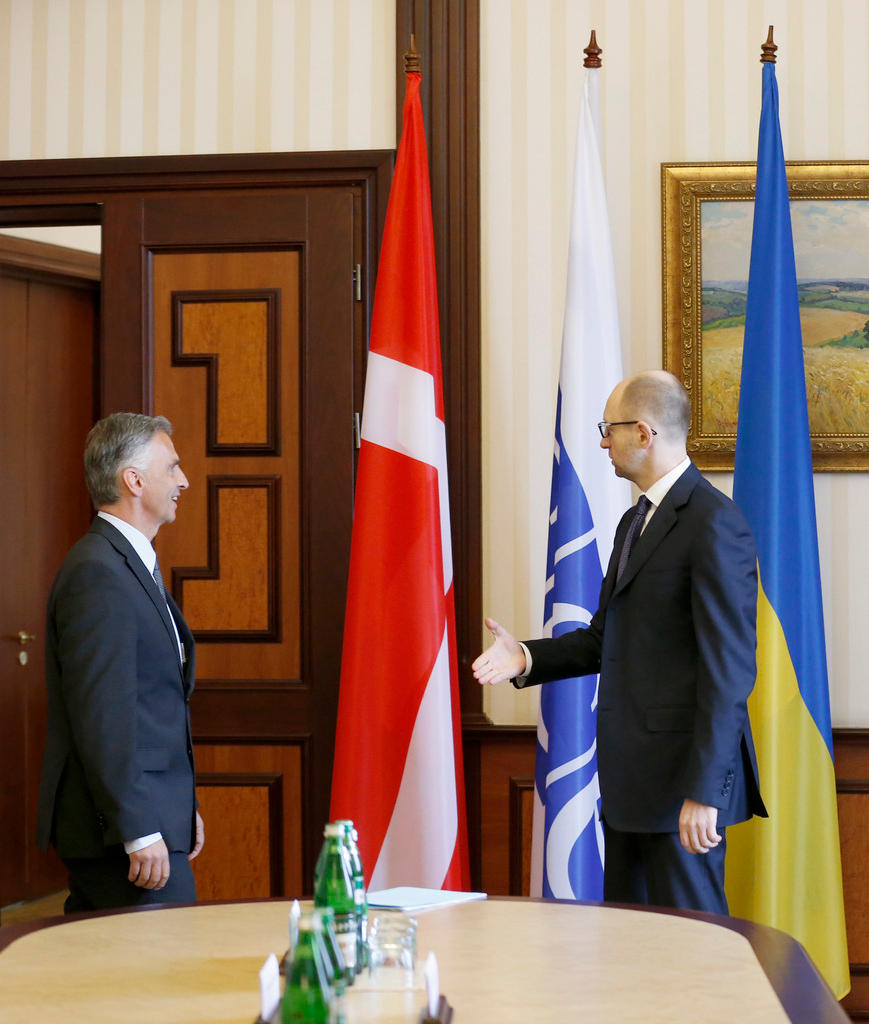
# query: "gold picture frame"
{"points": [[706, 210]]}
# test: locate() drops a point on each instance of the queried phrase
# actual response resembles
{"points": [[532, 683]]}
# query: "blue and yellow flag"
{"points": [[786, 870]]}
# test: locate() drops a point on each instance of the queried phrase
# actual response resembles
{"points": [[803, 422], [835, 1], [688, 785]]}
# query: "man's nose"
{"points": [[184, 483]]}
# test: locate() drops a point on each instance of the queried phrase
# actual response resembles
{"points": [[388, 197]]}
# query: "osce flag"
{"points": [[587, 501], [784, 870]]}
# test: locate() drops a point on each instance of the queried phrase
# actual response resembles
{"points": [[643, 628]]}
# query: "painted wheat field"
{"points": [[831, 243]]}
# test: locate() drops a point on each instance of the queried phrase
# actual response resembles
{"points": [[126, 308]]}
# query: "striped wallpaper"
{"points": [[681, 81], [141, 77]]}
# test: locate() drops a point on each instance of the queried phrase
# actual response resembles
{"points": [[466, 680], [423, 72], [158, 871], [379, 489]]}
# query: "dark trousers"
{"points": [[101, 883], [654, 869]]}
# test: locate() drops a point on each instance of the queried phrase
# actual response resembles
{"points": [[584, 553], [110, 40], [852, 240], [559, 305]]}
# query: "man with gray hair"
{"points": [[674, 640], [117, 796]]}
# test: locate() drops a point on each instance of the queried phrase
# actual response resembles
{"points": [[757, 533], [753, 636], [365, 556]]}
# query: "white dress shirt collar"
{"points": [[140, 542], [658, 491]]}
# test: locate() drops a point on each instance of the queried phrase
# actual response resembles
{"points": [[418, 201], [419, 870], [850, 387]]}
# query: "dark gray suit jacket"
{"points": [[675, 644], [118, 761]]}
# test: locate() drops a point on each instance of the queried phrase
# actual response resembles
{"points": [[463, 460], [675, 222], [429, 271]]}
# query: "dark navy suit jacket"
{"points": [[675, 644], [118, 761]]}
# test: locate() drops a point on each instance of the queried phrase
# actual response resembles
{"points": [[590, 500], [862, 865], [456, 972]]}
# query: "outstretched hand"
{"points": [[505, 659]]}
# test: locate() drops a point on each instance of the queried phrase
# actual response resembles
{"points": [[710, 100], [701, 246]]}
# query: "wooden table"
{"points": [[504, 961]]}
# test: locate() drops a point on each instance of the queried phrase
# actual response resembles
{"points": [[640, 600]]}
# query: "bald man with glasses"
{"points": [[674, 641]]}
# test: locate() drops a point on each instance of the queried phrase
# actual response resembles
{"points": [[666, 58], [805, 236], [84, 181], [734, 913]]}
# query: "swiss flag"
{"points": [[398, 753]]}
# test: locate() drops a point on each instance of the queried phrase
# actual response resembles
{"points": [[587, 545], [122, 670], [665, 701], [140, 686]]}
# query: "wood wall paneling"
{"points": [[500, 760], [521, 830], [851, 757], [55, 261], [251, 803]]}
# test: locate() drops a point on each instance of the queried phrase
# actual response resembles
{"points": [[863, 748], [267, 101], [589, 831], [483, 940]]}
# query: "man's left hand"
{"points": [[200, 837], [698, 827]]}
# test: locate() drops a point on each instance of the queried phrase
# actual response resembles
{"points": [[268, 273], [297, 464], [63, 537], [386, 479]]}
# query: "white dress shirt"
{"points": [[143, 548]]}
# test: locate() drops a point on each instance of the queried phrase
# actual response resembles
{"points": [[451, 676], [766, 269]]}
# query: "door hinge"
{"points": [[357, 430], [357, 282]]}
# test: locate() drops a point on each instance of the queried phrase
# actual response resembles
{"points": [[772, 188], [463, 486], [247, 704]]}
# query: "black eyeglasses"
{"points": [[604, 427]]}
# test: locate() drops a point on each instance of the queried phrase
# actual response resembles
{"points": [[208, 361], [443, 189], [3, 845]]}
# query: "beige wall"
{"points": [[134, 77], [681, 81]]}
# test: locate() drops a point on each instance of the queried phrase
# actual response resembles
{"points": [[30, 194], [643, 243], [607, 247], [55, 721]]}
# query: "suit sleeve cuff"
{"points": [[519, 681]]}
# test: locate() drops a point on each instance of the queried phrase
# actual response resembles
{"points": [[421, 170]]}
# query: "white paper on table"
{"points": [[409, 898], [269, 987]]}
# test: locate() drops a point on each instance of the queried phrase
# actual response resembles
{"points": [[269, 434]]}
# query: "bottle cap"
{"points": [[333, 829]]}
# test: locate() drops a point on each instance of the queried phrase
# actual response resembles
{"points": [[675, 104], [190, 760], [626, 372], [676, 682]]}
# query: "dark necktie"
{"points": [[158, 579], [643, 506]]}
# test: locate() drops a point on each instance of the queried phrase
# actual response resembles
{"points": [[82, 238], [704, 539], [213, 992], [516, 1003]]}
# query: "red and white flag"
{"points": [[398, 753]]}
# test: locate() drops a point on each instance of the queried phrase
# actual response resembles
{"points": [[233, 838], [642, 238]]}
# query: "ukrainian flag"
{"points": [[786, 870]]}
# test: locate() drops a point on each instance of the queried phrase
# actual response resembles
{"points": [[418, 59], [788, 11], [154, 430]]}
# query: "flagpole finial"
{"points": [[592, 53], [412, 57], [768, 49]]}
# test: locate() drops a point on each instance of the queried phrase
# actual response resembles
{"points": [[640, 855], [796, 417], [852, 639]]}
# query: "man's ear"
{"points": [[132, 481], [646, 433]]}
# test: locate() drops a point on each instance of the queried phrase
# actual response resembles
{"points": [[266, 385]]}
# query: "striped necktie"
{"points": [[634, 530], [158, 579]]}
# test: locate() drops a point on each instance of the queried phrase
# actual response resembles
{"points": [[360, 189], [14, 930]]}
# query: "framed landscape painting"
{"points": [[707, 212]]}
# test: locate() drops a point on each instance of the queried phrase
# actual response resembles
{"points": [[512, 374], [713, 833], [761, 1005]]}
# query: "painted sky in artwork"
{"points": [[831, 239]]}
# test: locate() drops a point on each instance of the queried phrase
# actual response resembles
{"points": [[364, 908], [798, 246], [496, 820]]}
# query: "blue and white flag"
{"points": [[586, 504]]}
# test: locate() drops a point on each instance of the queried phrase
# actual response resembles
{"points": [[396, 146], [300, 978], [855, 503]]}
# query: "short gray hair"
{"points": [[113, 444]]}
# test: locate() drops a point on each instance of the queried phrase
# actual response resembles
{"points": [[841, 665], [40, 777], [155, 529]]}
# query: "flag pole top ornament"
{"points": [[768, 49], [592, 53], [412, 58]]}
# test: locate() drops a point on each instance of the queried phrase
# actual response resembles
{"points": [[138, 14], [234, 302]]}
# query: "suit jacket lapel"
{"points": [[665, 518], [120, 543]]}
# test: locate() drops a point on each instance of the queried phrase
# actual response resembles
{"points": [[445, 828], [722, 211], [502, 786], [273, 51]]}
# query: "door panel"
{"points": [[47, 342], [255, 341], [235, 557]]}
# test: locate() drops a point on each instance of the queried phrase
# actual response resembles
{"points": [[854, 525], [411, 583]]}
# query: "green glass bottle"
{"points": [[335, 964], [333, 887], [351, 837], [307, 995]]}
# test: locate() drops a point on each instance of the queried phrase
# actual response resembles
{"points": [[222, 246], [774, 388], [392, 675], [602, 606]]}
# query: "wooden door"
{"points": [[254, 338], [47, 345]]}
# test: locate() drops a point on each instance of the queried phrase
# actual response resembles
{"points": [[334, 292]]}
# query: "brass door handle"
{"points": [[25, 638]]}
